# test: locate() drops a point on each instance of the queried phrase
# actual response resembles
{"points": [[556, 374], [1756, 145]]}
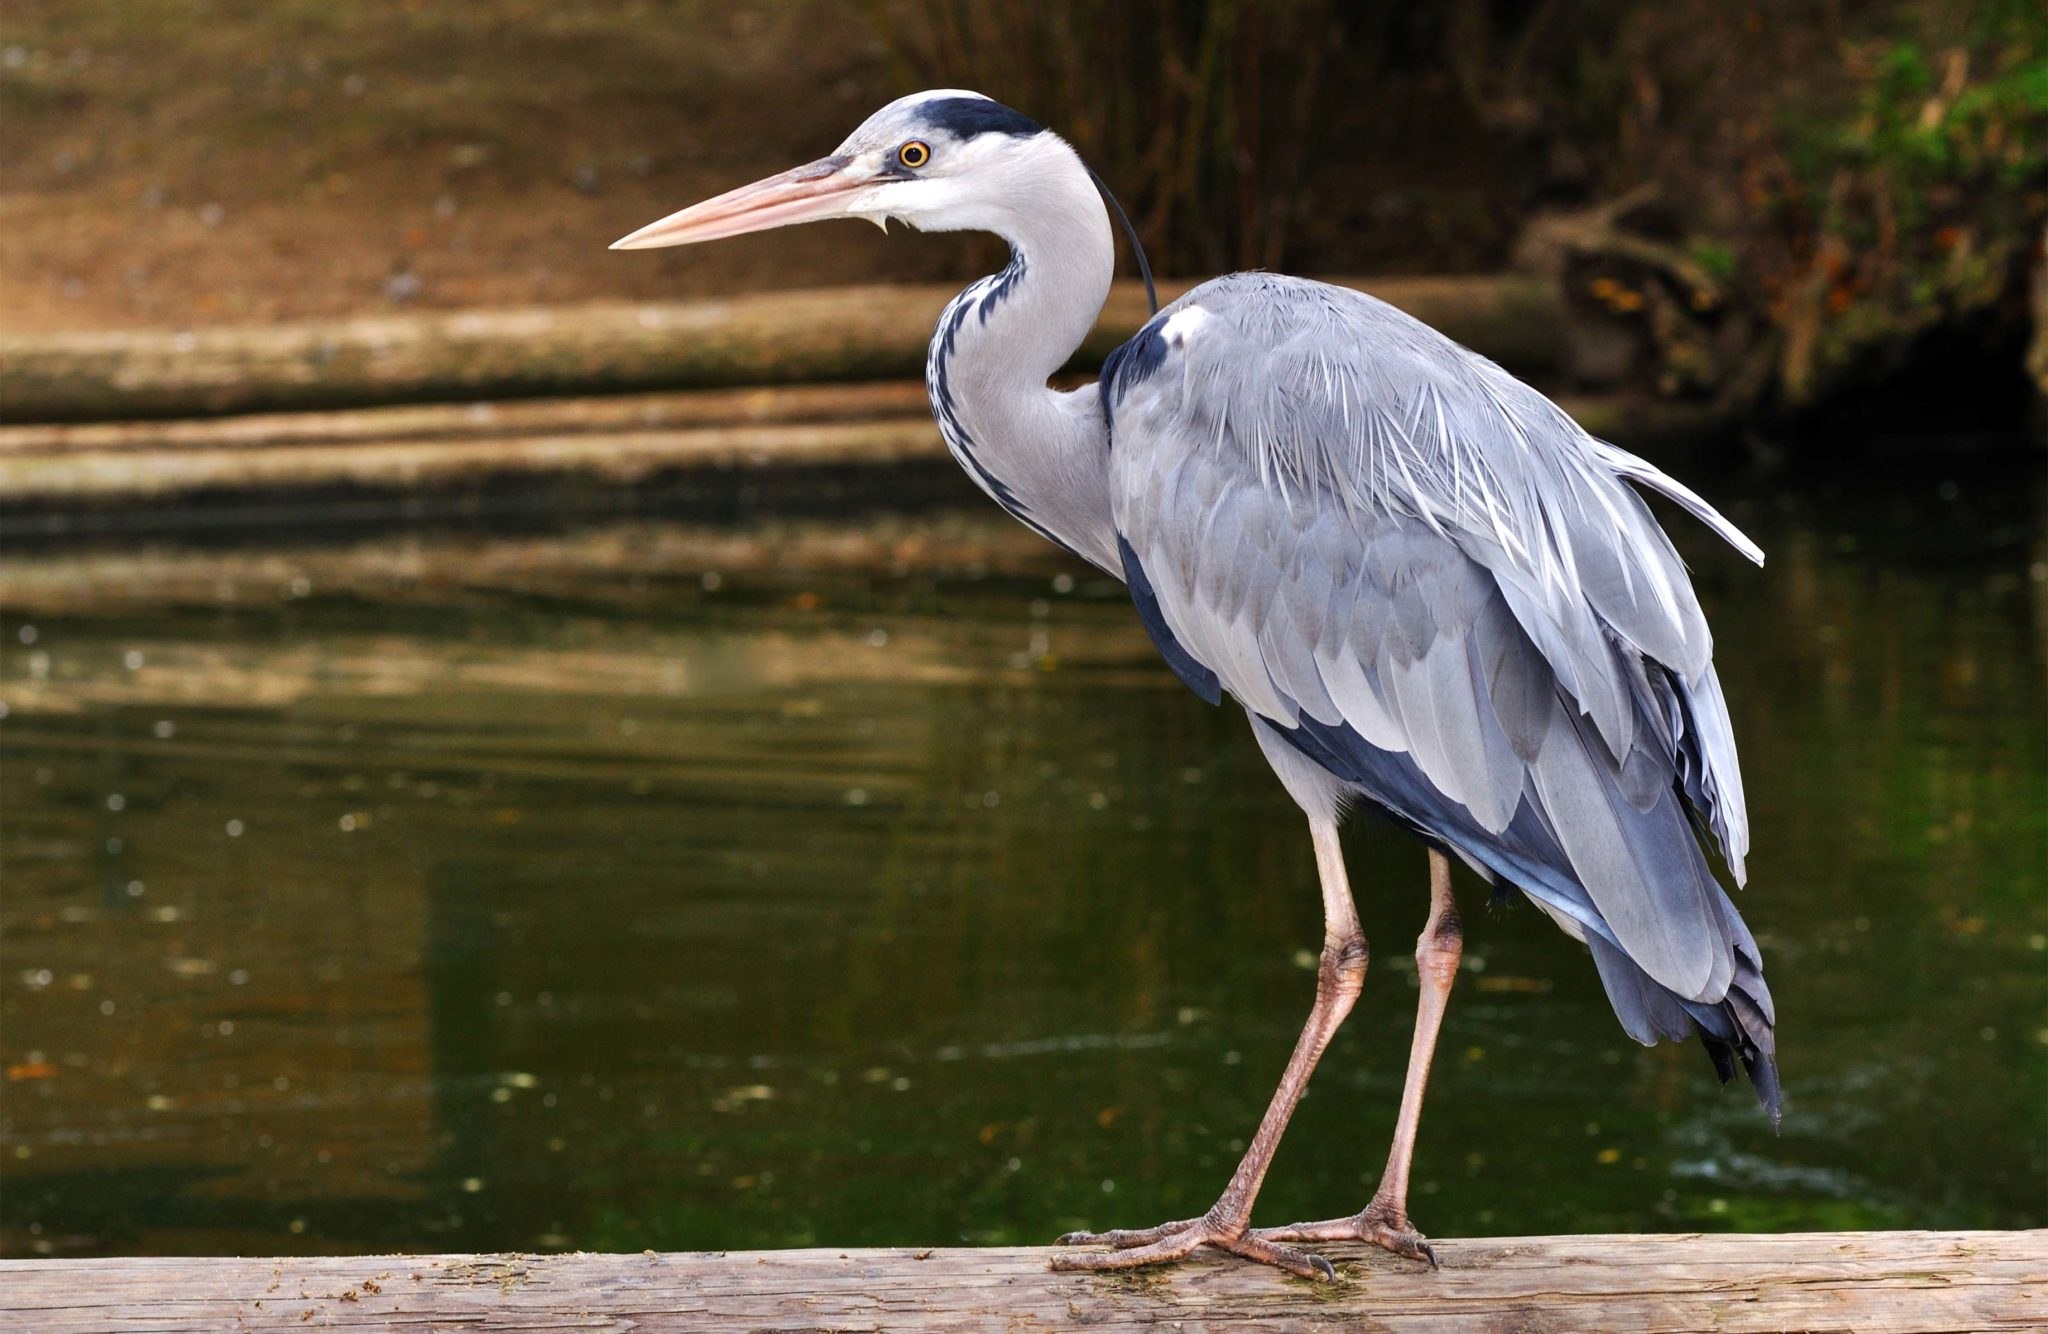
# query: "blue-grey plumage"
{"points": [[1429, 589], [1420, 572]]}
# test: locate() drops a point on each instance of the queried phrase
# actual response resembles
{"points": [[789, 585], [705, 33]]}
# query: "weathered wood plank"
{"points": [[588, 562], [850, 333], [615, 440], [614, 457], [1887, 1281], [676, 410]]}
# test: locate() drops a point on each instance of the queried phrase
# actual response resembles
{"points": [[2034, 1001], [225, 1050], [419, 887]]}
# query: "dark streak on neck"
{"points": [[981, 300]]}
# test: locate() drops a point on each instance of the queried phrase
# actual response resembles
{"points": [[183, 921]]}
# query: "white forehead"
{"points": [[934, 95]]}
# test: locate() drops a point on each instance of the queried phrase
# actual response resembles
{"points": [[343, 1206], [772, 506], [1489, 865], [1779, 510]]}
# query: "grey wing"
{"points": [[1397, 556]]}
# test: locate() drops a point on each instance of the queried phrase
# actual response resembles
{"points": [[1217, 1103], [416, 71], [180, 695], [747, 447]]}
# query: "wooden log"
{"points": [[849, 333], [436, 566], [756, 406], [1871, 1282], [613, 440], [615, 457]]}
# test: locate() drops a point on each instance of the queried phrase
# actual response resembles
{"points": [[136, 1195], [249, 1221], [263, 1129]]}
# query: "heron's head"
{"points": [[947, 160]]}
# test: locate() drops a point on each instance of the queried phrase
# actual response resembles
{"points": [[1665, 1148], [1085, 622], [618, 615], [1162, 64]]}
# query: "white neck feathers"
{"points": [[1042, 454]]}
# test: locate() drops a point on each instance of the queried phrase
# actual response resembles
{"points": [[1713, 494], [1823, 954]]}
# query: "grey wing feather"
{"points": [[1357, 525], [1640, 471]]}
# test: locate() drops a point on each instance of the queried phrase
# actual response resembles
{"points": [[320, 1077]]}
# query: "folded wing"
{"points": [[1424, 577]]}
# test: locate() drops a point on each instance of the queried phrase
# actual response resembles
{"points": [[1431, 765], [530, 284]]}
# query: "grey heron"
{"points": [[1431, 592]]}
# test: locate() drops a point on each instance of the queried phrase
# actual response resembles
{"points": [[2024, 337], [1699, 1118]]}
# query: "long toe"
{"points": [[1330, 1229], [1387, 1227], [1301, 1264], [1176, 1240], [1409, 1243], [1124, 1239], [1171, 1246], [1388, 1232]]}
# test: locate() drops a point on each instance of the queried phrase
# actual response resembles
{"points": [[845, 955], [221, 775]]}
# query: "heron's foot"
{"points": [[1382, 1225], [1124, 1239], [1132, 1248]]}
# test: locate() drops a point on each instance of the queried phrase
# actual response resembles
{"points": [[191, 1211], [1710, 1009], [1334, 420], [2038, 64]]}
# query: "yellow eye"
{"points": [[915, 153]]}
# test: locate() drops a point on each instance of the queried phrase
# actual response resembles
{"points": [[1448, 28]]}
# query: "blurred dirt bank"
{"points": [[188, 164], [1748, 202]]}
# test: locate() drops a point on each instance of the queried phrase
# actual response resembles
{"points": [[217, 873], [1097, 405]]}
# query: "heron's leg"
{"points": [[1384, 1221], [1339, 975]]}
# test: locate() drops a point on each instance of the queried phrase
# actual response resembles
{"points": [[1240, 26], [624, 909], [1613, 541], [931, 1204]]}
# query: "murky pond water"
{"points": [[654, 885]]}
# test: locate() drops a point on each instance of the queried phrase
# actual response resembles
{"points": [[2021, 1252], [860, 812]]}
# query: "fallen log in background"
{"points": [[852, 333], [616, 441], [1869, 1282], [479, 420]]}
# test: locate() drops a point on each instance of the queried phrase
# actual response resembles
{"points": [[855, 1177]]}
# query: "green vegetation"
{"points": [[1813, 191], [1914, 202]]}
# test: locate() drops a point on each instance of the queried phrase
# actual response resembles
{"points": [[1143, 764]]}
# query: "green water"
{"points": [[473, 891]]}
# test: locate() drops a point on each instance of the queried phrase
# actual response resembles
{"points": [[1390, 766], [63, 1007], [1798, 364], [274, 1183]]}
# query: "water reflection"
{"points": [[650, 885]]}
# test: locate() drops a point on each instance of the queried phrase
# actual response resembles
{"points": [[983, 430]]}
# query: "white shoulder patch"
{"points": [[1184, 324]]}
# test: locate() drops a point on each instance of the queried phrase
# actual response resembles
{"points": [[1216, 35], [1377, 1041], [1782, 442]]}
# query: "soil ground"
{"points": [[182, 163], [177, 163]]}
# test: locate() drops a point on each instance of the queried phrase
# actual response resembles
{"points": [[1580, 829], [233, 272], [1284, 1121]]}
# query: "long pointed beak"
{"points": [[816, 190]]}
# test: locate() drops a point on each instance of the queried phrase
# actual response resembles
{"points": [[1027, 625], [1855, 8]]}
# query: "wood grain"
{"points": [[1879, 1281], [613, 441], [849, 333]]}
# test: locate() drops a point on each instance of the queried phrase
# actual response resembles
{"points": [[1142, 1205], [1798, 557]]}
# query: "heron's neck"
{"points": [[1042, 454]]}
